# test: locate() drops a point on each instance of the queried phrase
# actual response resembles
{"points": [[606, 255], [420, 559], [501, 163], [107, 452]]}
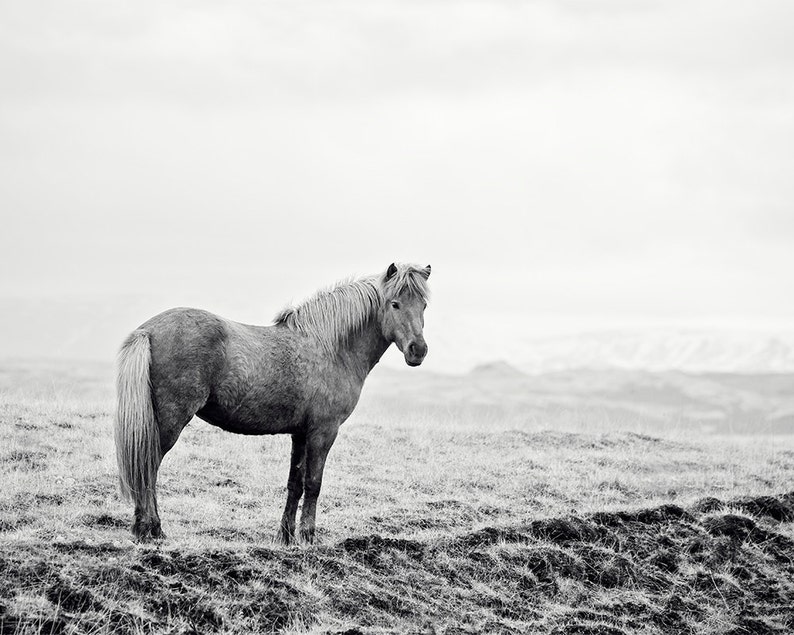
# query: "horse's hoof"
{"points": [[147, 532], [307, 537], [149, 538]]}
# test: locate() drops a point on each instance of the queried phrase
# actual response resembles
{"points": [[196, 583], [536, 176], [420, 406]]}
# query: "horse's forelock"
{"points": [[407, 279]]}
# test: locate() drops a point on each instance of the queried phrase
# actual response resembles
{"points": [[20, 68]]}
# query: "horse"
{"points": [[301, 375]]}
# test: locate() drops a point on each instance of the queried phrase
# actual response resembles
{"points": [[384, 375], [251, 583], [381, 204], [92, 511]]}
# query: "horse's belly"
{"points": [[273, 418]]}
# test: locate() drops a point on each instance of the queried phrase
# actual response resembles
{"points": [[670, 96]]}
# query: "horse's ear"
{"points": [[425, 272], [391, 271]]}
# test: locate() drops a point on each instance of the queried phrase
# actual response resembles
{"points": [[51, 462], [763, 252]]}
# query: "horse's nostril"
{"points": [[417, 350]]}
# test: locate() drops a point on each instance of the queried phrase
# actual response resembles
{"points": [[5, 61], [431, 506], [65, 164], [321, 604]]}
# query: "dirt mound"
{"points": [[70, 597], [708, 504], [105, 520], [370, 549], [780, 508], [685, 564], [766, 506]]}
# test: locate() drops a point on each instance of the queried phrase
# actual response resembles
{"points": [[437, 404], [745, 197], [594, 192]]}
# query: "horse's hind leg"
{"points": [[147, 516], [297, 469]]}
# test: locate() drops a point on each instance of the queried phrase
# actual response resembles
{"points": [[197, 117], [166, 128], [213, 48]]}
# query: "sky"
{"points": [[563, 165]]}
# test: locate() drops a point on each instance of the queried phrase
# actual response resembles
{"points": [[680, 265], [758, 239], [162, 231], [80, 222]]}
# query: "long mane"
{"points": [[334, 314]]}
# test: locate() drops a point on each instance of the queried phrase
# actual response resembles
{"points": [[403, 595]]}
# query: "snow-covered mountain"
{"points": [[461, 345], [661, 349]]}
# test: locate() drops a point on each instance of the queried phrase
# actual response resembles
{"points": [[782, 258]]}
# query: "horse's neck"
{"points": [[365, 349]]}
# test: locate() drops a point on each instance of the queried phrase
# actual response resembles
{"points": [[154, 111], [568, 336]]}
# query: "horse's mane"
{"points": [[333, 314]]}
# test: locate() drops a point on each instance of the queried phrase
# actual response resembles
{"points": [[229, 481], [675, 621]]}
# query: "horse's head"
{"points": [[402, 314]]}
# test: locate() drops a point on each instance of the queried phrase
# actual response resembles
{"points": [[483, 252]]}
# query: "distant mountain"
{"points": [[498, 368], [662, 349]]}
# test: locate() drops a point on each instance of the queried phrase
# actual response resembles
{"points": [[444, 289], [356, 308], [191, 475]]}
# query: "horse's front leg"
{"points": [[294, 487], [318, 443]]}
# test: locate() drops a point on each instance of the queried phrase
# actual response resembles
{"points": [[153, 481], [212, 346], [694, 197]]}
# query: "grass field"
{"points": [[430, 521]]}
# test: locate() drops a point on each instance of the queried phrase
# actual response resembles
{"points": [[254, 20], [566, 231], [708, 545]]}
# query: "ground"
{"points": [[426, 524]]}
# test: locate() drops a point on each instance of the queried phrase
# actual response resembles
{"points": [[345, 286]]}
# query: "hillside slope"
{"points": [[653, 401]]}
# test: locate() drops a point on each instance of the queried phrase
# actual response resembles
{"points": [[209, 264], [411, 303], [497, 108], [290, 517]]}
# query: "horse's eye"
{"points": [[395, 305]]}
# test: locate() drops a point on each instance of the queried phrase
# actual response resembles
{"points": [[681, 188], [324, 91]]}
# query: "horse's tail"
{"points": [[137, 433]]}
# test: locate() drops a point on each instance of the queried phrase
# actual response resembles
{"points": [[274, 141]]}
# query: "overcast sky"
{"points": [[601, 163]]}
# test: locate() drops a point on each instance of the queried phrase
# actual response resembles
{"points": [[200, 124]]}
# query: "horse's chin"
{"points": [[413, 363]]}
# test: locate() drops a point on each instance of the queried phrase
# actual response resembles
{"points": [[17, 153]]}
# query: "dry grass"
{"points": [[426, 524]]}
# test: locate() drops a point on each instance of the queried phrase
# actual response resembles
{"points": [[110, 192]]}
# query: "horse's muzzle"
{"points": [[416, 353]]}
